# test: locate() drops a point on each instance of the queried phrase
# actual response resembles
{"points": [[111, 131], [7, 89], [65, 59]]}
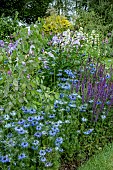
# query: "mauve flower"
{"points": [[9, 72], [2, 43]]}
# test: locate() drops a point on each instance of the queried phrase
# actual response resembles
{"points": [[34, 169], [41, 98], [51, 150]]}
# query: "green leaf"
{"points": [[1, 58], [15, 82]]}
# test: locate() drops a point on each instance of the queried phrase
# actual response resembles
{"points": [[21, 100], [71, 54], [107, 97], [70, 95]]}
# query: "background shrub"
{"points": [[56, 24]]}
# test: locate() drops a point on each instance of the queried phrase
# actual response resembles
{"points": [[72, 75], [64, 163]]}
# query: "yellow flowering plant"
{"points": [[56, 24]]}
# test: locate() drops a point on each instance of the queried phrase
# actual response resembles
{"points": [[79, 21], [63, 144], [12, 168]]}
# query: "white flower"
{"points": [[51, 55], [6, 117], [23, 63], [84, 119], [44, 133], [36, 142], [59, 122], [8, 125], [103, 117], [13, 113], [67, 121], [31, 49], [56, 148], [29, 31], [93, 31]]}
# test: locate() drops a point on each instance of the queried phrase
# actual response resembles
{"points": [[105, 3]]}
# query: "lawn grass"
{"points": [[101, 161]]}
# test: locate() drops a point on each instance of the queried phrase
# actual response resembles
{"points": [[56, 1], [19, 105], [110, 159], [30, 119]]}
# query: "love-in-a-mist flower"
{"points": [[42, 152], [5, 159], [88, 131], [22, 156], [24, 144]]}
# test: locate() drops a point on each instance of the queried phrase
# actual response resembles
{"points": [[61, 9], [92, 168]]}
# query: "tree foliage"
{"points": [[28, 10], [104, 9]]}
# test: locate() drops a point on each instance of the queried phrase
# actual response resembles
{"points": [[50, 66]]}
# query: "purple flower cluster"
{"points": [[94, 86], [96, 89]]}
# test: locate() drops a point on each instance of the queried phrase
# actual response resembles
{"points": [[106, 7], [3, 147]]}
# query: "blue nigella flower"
{"points": [[93, 69], [92, 72], [61, 95], [24, 144], [9, 135], [18, 128], [30, 119], [26, 125], [55, 105], [72, 96], [21, 122], [38, 127], [49, 150], [92, 65], [39, 117], [34, 147], [32, 110], [5, 159], [42, 112], [98, 102], [43, 159], [6, 61], [66, 86], [22, 131], [69, 73], [74, 81], [59, 74], [88, 132], [34, 123], [108, 102], [1, 108], [63, 79], [22, 156], [51, 116], [108, 76], [24, 109], [58, 141], [38, 134], [48, 164], [56, 124], [42, 152], [72, 105], [52, 133], [55, 129]]}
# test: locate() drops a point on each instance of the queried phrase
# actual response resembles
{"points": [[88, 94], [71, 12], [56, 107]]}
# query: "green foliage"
{"points": [[103, 9], [39, 77], [8, 26], [89, 21]]}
